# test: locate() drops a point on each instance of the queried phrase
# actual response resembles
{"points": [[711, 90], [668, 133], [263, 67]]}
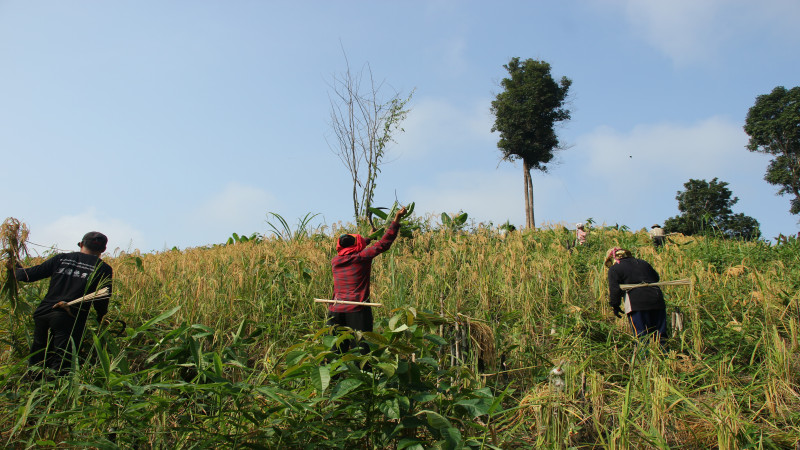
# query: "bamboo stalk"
{"points": [[101, 293], [344, 302], [683, 282]]}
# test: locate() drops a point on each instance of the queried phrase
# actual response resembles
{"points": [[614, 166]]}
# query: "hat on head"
{"points": [[655, 226], [579, 225], [615, 254], [95, 241]]}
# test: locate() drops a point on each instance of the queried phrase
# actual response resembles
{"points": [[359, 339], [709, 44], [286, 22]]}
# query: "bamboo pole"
{"points": [[683, 282], [344, 302], [101, 293]]}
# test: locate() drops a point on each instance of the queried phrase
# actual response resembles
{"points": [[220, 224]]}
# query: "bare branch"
{"points": [[363, 125]]}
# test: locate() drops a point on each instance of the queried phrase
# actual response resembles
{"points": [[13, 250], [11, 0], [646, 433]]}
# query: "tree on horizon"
{"points": [[526, 113], [706, 208], [773, 125]]}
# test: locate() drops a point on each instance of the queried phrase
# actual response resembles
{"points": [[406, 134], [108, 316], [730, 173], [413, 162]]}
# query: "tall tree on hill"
{"points": [[773, 124], [706, 207], [526, 113]]}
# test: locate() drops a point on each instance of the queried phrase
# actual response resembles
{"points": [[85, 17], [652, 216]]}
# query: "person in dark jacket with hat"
{"points": [[58, 326], [644, 306], [352, 267]]}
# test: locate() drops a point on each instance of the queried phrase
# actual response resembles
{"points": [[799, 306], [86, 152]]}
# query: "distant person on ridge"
{"points": [[580, 234], [351, 272], [657, 235], [644, 306], [57, 326]]}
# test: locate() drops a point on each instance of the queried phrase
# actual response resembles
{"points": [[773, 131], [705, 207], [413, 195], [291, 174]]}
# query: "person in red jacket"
{"points": [[58, 326], [351, 272]]}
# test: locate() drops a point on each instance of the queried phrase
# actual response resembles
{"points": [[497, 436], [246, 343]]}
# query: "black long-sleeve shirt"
{"points": [[635, 271], [72, 275]]}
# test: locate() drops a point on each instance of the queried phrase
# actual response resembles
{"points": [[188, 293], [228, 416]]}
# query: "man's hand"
{"points": [[399, 214], [618, 311], [10, 264], [63, 305]]}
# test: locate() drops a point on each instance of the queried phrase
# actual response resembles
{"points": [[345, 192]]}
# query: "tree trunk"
{"points": [[530, 200], [529, 222], [527, 193]]}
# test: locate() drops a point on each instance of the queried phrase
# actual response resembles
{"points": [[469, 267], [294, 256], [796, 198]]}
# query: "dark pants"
{"points": [[658, 241], [53, 336], [358, 320], [644, 323]]}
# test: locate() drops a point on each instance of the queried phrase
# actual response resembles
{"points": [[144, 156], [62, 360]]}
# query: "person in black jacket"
{"points": [[644, 306], [57, 326]]}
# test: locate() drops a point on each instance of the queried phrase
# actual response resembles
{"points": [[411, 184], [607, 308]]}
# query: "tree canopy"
{"points": [[773, 125], [706, 208], [526, 113]]}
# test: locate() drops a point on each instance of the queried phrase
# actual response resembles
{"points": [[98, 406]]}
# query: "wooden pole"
{"points": [[101, 293], [683, 282], [344, 302]]}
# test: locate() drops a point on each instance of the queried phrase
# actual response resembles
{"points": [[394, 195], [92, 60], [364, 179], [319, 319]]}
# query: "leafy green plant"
{"points": [[386, 217], [455, 223], [401, 393], [284, 232], [237, 239]]}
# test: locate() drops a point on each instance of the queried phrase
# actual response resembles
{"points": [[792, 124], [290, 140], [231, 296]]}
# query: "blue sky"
{"points": [[178, 123]]}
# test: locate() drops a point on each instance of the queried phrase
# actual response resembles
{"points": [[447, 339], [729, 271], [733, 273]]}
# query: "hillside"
{"points": [[222, 348]]}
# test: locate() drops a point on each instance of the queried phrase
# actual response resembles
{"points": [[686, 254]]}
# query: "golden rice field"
{"points": [[241, 350]]}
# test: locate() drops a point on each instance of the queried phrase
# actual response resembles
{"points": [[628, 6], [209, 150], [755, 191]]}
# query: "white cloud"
{"points": [[631, 177], [437, 128], [689, 31], [683, 29], [237, 208], [492, 195], [65, 232], [665, 150], [613, 176]]}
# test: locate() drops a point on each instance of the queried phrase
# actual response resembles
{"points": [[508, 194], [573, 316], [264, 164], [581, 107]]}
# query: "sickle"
{"points": [[371, 225]]}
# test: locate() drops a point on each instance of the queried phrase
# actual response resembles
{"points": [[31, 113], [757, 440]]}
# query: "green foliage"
{"points": [[402, 392], [237, 239], [740, 226], [456, 223], [706, 209], [773, 124], [527, 110], [284, 232], [407, 224], [526, 113], [394, 113]]}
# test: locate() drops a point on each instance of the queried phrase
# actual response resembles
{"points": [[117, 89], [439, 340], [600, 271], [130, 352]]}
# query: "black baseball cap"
{"points": [[95, 241]]}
